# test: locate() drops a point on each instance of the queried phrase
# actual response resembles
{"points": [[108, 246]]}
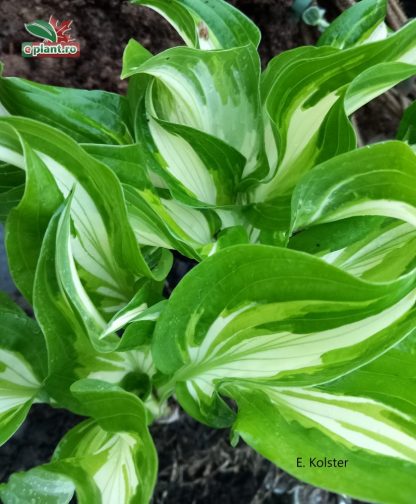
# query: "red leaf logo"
{"points": [[61, 30]]}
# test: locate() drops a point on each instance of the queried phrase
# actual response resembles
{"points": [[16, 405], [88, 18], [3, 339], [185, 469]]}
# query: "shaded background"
{"points": [[197, 465]]}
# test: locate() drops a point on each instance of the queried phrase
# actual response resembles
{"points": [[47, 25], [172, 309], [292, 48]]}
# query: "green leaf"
{"points": [[115, 449], [133, 56], [43, 487], [198, 168], [27, 223], [367, 418], [156, 220], [42, 29], [128, 162], [22, 366], [345, 186], [407, 128], [86, 116], [210, 91], [99, 330], [383, 255], [359, 24], [371, 248], [66, 339], [369, 84], [300, 87], [165, 222], [207, 24], [105, 247], [335, 136], [71, 354], [260, 313], [12, 184]]}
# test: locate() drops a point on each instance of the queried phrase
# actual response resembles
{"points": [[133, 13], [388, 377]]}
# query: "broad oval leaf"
{"points": [[115, 448], [361, 428], [262, 313], [189, 90]]}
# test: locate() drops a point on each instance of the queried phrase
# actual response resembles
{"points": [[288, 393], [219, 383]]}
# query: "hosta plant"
{"points": [[295, 330]]}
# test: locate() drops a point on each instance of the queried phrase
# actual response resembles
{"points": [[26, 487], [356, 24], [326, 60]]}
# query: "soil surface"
{"points": [[103, 28], [197, 464]]}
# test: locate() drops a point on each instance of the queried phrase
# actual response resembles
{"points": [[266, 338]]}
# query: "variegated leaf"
{"points": [[361, 428], [268, 314], [22, 367], [208, 24]]}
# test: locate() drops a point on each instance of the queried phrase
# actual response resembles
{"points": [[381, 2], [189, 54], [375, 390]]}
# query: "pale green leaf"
{"points": [[115, 448], [22, 367], [212, 92], [133, 56], [71, 355], [104, 245]]}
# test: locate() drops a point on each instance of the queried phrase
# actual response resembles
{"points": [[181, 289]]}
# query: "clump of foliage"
{"points": [[296, 328]]}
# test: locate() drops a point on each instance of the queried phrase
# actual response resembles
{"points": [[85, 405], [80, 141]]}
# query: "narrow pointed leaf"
{"points": [[209, 24], [133, 56], [376, 180], [27, 223], [22, 367], [86, 116], [301, 86], [355, 25]]}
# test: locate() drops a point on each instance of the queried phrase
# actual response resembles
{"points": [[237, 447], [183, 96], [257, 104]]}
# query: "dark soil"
{"points": [[35, 441], [103, 28], [197, 464]]}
